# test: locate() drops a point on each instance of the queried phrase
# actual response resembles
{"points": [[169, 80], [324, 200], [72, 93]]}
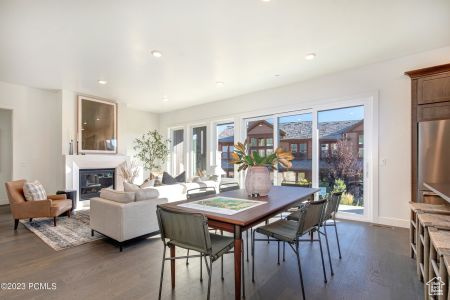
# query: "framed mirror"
{"points": [[97, 126]]}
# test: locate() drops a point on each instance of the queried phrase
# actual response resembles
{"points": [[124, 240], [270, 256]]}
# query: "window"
{"points": [[225, 146], [178, 165], [269, 142], [252, 142], [261, 143], [295, 131], [360, 145], [324, 150], [303, 149], [198, 151]]}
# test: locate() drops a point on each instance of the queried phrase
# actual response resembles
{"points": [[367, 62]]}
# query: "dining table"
{"points": [[279, 199]]}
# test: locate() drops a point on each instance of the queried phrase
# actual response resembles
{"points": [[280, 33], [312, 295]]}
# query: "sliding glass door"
{"points": [[341, 156], [329, 144], [178, 165]]}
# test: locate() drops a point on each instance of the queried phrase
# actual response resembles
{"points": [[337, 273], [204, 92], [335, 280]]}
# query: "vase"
{"points": [[257, 181]]}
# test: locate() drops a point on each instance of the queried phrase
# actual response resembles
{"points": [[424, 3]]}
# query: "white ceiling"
{"points": [[66, 44]]}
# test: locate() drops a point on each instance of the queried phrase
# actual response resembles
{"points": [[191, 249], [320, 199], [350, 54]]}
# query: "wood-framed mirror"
{"points": [[97, 126]]}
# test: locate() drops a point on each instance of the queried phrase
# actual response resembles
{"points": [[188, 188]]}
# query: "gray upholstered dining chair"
{"points": [[310, 216], [190, 231]]}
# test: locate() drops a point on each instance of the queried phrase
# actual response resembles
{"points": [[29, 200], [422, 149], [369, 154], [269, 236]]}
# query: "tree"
{"points": [[152, 149], [343, 162]]}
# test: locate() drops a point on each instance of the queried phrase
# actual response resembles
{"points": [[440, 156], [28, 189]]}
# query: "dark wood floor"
{"points": [[375, 265]]}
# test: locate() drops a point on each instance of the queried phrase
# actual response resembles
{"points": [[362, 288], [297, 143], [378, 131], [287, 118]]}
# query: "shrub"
{"points": [[339, 186], [347, 199]]}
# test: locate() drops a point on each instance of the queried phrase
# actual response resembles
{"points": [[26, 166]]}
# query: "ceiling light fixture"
{"points": [[98, 119], [310, 56], [219, 84], [156, 53], [265, 0], [165, 99], [102, 82], [277, 75]]}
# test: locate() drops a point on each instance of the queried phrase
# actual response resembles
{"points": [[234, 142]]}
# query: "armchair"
{"points": [[54, 206]]}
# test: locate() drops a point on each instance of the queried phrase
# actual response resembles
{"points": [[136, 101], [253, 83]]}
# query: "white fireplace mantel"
{"points": [[73, 164]]}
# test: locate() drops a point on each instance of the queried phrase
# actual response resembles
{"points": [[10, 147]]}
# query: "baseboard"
{"points": [[393, 222]]}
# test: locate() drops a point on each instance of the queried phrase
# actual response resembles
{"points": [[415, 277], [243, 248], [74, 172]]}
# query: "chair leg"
{"points": [[284, 251], [16, 223], [187, 258], [323, 262], [221, 268], [243, 275], [337, 238], [209, 269], [92, 232], [54, 221], [253, 256], [278, 251], [162, 272], [300, 270], [68, 213], [246, 234], [31, 219], [328, 250], [201, 267]]}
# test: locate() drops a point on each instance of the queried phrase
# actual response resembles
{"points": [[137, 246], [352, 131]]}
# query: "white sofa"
{"points": [[124, 221]]}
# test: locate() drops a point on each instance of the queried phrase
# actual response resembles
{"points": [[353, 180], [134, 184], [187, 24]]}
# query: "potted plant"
{"points": [[152, 149], [257, 180]]}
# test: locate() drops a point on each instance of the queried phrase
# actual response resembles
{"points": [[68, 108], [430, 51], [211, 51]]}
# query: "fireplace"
{"points": [[91, 181]]}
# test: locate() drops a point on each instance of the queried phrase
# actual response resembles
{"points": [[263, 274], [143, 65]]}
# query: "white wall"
{"points": [[5, 151], [36, 134], [394, 90]]}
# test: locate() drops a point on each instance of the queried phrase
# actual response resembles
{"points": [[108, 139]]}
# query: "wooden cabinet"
{"points": [[430, 100], [432, 89]]}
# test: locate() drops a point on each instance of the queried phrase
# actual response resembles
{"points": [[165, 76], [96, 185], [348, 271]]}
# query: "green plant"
{"points": [[152, 149], [240, 157], [347, 199], [339, 186], [304, 181]]}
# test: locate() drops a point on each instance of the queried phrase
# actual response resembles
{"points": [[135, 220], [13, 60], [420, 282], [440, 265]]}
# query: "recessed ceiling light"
{"points": [[310, 56], [98, 119], [220, 84], [156, 53], [277, 75], [102, 82], [265, 0], [165, 99]]}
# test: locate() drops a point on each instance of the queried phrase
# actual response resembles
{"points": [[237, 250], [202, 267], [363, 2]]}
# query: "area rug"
{"points": [[68, 233]]}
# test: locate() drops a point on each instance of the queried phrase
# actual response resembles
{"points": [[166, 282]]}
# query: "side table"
{"points": [[70, 194]]}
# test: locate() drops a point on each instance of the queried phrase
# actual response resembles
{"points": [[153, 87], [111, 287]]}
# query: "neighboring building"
{"points": [[296, 137]]}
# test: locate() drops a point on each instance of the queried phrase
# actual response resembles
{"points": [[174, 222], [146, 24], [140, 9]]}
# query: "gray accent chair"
{"points": [[309, 218], [190, 231], [330, 215]]}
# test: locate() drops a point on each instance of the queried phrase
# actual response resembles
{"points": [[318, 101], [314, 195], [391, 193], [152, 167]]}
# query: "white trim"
{"points": [[393, 222]]}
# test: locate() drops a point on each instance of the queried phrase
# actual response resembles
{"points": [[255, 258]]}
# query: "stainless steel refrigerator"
{"points": [[433, 155]]}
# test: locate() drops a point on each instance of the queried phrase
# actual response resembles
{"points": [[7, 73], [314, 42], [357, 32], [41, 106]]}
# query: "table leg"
{"points": [[172, 265], [237, 261]]}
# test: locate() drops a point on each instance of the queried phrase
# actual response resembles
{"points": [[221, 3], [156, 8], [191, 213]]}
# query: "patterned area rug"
{"points": [[68, 233]]}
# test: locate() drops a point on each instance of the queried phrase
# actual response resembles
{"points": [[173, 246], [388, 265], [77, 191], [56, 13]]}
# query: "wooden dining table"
{"points": [[279, 200]]}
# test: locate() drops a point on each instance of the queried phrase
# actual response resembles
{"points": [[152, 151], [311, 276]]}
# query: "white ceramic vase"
{"points": [[257, 181]]}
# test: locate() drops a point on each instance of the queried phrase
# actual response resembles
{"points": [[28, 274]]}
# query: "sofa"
{"points": [[177, 192], [125, 215]]}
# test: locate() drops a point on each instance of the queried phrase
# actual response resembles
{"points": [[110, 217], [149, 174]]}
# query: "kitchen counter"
{"points": [[441, 189]]}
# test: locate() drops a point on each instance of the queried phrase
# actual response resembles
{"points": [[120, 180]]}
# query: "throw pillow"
{"points": [[117, 196], [129, 187], [167, 179], [34, 191], [146, 194], [181, 177], [148, 183]]}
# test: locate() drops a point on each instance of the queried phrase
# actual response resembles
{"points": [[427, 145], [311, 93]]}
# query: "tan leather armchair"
{"points": [[54, 206]]}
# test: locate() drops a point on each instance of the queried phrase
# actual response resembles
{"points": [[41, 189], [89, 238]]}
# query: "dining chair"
{"points": [[190, 231], [198, 193], [310, 216], [228, 186], [330, 215]]}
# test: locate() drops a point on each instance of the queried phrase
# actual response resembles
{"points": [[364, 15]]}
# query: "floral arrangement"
{"points": [[240, 157]]}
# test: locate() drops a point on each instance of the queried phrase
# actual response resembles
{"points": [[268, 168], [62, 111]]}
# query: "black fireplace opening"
{"points": [[93, 180]]}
